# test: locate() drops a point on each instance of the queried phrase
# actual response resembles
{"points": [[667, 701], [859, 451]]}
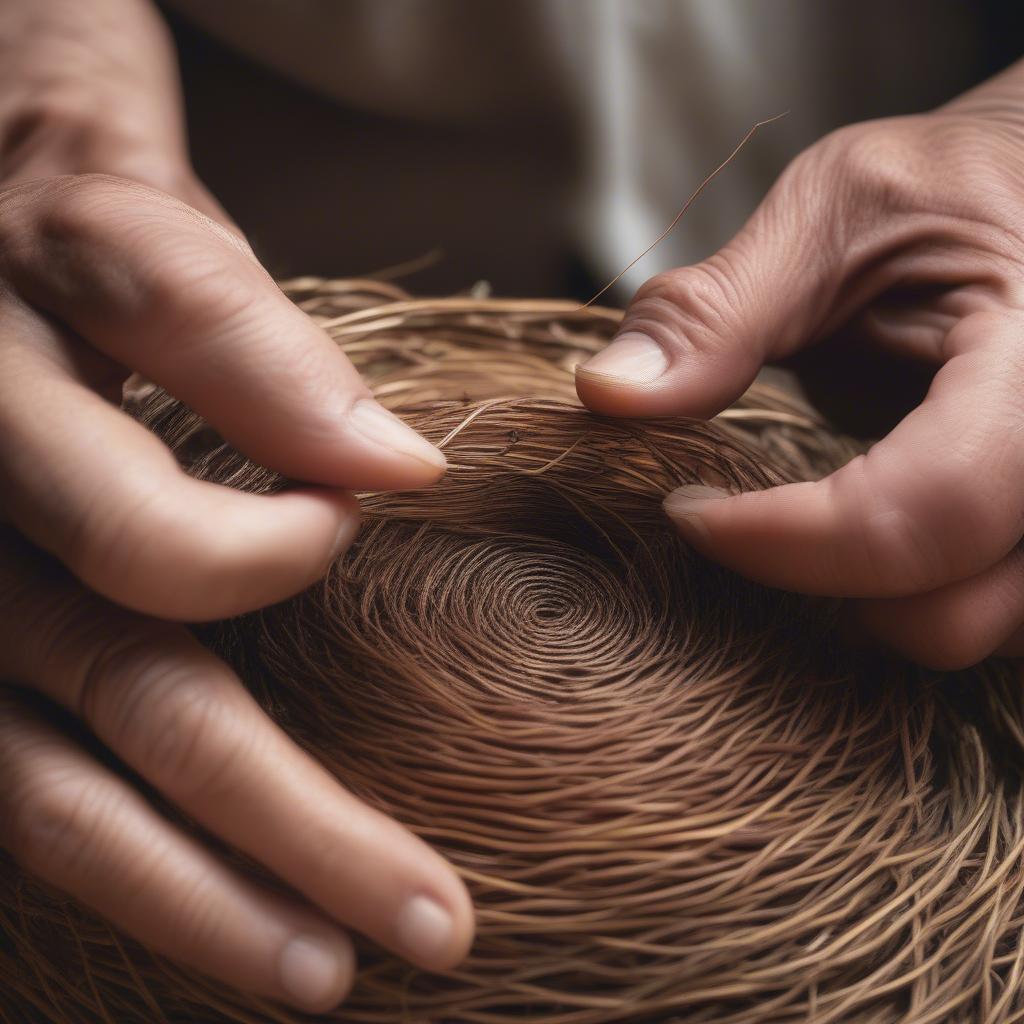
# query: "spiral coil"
{"points": [[673, 796]]}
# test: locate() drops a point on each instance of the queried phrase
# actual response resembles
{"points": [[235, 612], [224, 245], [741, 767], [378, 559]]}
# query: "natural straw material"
{"points": [[672, 796]]}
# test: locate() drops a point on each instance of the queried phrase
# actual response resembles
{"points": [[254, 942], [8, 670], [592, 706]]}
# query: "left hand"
{"points": [[910, 232]]}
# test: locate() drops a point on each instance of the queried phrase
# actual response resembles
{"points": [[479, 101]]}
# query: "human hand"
{"points": [[114, 258], [101, 276], [909, 232]]}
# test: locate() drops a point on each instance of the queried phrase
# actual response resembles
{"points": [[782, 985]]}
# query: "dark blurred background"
{"points": [[325, 189]]}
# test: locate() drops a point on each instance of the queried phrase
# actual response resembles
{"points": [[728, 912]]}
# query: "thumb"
{"points": [[693, 339]]}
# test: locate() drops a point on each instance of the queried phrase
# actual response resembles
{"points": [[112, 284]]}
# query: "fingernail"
{"points": [[311, 973], [375, 423], [684, 506], [424, 929], [631, 357]]}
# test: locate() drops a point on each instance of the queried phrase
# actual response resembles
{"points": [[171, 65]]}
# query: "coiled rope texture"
{"points": [[673, 797]]}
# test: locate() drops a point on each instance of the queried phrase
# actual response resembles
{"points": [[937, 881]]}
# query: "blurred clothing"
{"points": [[648, 95]]}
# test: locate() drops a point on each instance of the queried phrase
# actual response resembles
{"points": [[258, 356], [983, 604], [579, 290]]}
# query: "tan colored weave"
{"points": [[673, 797]]}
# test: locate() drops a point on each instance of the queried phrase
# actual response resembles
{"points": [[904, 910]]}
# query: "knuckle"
{"points": [[902, 164], [68, 630], [107, 543], [175, 723], [120, 548], [877, 160], [897, 554], [891, 544], [916, 530], [198, 916], [685, 308], [855, 174], [130, 251], [75, 253], [52, 822]]}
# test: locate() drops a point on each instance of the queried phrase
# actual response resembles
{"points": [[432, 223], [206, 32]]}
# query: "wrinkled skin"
{"points": [[905, 234]]}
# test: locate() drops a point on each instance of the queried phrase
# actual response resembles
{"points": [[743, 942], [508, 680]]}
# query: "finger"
{"points": [[957, 625], [164, 290], [693, 339], [182, 719], [80, 828], [940, 499], [106, 497]]}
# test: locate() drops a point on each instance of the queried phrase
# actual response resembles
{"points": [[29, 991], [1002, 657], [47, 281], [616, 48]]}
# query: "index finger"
{"points": [[162, 289]]}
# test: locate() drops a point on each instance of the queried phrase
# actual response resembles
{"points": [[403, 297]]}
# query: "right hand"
{"points": [[100, 276]]}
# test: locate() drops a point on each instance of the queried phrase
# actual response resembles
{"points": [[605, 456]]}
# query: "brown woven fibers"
{"points": [[672, 799]]}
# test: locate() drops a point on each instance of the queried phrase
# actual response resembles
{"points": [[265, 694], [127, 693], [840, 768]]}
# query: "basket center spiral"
{"points": [[671, 796]]}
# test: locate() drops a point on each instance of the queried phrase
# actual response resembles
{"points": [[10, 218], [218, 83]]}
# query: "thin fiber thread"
{"points": [[672, 796]]}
